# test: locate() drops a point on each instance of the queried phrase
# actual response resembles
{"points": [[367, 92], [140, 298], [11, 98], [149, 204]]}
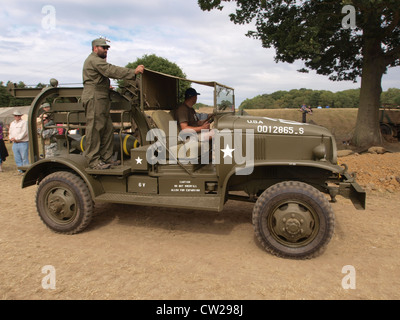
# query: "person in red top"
{"points": [[3, 149]]}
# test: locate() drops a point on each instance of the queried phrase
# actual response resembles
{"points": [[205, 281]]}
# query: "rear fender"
{"points": [[73, 163]]}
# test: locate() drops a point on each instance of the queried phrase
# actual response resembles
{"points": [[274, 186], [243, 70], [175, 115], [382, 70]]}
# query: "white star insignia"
{"points": [[139, 160], [227, 151]]}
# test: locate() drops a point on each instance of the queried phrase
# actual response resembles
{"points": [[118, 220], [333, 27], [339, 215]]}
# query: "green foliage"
{"points": [[314, 98], [159, 64], [312, 31], [156, 63], [199, 105], [7, 100], [276, 100], [391, 97]]}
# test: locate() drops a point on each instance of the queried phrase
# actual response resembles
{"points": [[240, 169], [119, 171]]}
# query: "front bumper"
{"points": [[350, 189]]}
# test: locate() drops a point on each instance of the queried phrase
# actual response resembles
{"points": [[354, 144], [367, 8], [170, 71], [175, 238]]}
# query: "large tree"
{"points": [[362, 41]]}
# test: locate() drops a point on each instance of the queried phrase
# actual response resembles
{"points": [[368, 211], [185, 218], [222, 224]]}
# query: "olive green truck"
{"points": [[289, 170]]}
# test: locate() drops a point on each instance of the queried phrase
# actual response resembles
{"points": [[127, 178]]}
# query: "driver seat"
{"points": [[162, 120]]}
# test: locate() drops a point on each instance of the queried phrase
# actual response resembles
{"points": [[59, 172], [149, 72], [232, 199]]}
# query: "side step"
{"points": [[113, 171], [208, 203]]}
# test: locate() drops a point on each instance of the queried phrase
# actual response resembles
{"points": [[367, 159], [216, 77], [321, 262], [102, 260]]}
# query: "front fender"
{"points": [[347, 186], [73, 163], [242, 170], [324, 165]]}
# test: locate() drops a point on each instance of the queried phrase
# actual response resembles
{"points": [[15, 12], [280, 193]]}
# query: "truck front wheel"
{"points": [[293, 220], [64, 202]]}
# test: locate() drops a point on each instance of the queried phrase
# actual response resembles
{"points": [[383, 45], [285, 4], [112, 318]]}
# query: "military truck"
{"points": [[289, 170]]}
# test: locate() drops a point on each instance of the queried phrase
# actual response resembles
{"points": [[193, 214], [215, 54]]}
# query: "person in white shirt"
{"points": [[18, 135]]}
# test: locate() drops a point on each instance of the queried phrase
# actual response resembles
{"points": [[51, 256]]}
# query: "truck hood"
{"points": [[270, 126]]}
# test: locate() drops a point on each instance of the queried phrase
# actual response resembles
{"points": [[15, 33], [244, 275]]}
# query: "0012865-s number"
{"points": [[279, 130]]}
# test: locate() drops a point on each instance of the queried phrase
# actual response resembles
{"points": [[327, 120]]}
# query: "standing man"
{"points": [[304, 110], [96, 101], [18, 135]]}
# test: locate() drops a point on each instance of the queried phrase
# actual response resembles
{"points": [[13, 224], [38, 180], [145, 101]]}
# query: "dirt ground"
{"points": [[142, 253]]}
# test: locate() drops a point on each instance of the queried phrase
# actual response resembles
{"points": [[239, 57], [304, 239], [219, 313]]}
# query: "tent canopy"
{"points": [[6, 113]]}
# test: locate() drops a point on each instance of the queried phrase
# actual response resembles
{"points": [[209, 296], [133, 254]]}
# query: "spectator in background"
{"points": [[304, 110], [49, 136], [18, 135], [3, 149], [46, 111], [46, 107]]}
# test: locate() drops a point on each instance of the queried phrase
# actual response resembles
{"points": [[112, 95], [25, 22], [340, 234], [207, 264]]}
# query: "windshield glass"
{"points": [[225, 99]]}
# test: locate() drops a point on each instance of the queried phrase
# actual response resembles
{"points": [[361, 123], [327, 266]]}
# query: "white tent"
{"points": [[6, 114]]}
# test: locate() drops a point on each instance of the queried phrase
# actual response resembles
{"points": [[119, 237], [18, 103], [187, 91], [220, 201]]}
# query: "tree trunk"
{"points": [[367, 131]]}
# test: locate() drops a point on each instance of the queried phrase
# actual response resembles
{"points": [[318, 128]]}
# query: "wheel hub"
{"points": [[61, 204], [293, 222], [56, 205], [292, 225]]}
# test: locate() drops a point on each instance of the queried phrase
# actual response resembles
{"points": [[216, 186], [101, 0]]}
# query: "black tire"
{"points": [[387, 130], [64, 203], [293, 220]]}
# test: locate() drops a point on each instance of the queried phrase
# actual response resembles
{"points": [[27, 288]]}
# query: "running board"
{"points": [[208, 203]]}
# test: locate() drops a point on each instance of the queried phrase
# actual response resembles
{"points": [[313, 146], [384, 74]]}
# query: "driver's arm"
{"points": [[201, 122], [204, 125]]}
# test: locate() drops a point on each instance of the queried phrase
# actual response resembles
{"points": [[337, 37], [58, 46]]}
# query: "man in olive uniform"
{"points": [[49, 136], [96, 101]]}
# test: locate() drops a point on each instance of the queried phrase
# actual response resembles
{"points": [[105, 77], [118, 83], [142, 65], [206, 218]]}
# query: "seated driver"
{"points": [[186, 116]]}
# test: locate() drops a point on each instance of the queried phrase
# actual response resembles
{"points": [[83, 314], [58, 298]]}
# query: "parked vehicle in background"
{"points": [[389, 120]]}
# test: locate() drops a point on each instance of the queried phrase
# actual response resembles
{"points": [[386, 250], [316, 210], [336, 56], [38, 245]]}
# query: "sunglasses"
{"points": [[105, 48]]}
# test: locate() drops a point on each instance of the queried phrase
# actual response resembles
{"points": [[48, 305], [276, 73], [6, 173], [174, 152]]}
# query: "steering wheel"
{"points": [[211, 120]]}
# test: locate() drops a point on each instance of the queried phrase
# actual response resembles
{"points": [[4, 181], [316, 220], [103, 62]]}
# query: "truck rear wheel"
{"points": [[293, 220], [64, 202]]}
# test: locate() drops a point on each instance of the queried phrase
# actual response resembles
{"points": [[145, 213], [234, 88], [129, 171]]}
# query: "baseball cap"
{"points": [[17, 113], [100, 42], [190, 93]]}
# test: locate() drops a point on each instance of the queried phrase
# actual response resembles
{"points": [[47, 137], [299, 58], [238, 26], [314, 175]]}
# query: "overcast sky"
{"points": [[40, 40]]}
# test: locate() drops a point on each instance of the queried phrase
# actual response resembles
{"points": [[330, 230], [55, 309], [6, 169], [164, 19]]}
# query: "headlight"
{"points": [[319, 152]]}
